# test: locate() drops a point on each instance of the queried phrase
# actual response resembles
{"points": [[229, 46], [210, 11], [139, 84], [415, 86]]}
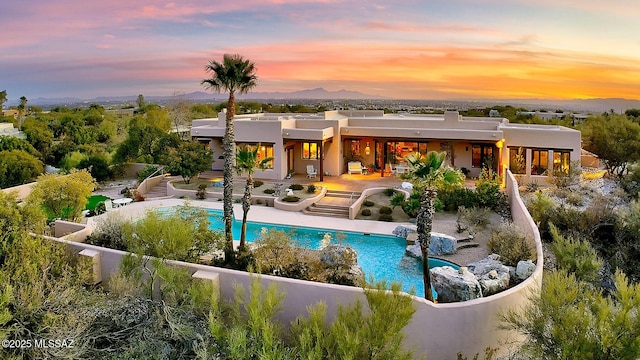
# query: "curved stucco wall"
{"points": [[438, 331]]}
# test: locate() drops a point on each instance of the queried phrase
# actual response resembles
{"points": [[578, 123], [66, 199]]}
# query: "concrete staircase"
{"points": [[335, 203], [160, 190]]}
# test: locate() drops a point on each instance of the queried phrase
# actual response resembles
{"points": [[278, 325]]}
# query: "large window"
{"points": [[482, 156], [561, 160], [310, 151], [518, 160], [539, 161], [264, 151]]}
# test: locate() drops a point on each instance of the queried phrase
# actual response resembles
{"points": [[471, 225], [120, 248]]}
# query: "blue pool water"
{"points": [[380, 256]]}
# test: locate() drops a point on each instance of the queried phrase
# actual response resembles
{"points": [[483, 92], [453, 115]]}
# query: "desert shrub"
{"points": [[311, 189], [511, 244], [201, 194], [397, 199], [575, 199], [269, 191], [532, 187], [566, 219], [563, 178], [576, 256], [541, 207], [488, 194], [389, 191], [275, 254], [452, 199], [385, 217], [569, 319], [257, 183], [472, 219], [108, 232], [291, 198], [370, 331], [385, 210], [630, 183], [368, 203], [296, 187], [365, 212]]}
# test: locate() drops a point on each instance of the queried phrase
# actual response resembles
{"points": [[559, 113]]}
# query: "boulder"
{"points": [[403, 230], [455, 285], [441, 244], [492, 275], [524, 269]]}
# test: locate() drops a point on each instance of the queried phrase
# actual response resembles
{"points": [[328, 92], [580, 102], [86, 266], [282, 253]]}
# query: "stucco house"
{"points": [[331, 139]]}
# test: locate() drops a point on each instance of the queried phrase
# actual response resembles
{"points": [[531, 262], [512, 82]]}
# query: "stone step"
{"points": [[330, 207], [325, 213]]}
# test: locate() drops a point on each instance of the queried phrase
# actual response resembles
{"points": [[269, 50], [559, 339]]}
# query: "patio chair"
{"points": [[354, 167], [311, 172]]}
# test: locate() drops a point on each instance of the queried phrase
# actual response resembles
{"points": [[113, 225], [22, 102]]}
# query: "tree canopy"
{"points": [[189, 159], [64, 196], [615, 139]]}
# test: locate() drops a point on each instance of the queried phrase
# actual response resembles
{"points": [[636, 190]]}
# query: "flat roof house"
{"points": [[330, 140]]}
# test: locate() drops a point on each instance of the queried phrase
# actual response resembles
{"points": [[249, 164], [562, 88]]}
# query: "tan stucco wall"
{"points": [[438, 330]]}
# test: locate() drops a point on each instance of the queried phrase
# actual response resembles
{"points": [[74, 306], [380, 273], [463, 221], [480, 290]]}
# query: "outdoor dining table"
{"points": [[122, 201]]}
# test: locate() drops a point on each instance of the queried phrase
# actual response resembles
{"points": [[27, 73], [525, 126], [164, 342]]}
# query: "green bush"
{"points": [[452, 199], [296, 187], [257, 183], [311, 189], [472, 219], [576, 256], [541, 207], [291, 198], [269, 191], [385, 210], [368, 203], [144, 173], [365, 212], [385, 217], [511, 244], [389, 191]]}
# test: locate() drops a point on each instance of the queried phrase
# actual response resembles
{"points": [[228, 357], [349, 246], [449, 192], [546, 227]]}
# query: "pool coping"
{"points": [[263, 214]]}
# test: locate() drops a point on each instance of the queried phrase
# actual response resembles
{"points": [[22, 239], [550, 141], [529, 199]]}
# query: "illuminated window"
{"points": [[482, 156], [517, 160], [264, 151], [561, 160], [539, 162], [310, 151]]}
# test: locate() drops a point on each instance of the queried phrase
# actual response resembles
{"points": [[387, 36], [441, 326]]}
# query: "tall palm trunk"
{"points": [[246, 205], [229, 160], [424, 224]]}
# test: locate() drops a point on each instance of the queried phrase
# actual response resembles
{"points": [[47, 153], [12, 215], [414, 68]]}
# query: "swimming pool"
{"points": [[380, 256]]}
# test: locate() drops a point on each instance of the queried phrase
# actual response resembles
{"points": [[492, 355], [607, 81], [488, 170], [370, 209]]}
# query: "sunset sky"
{"points": [[450, 49]]}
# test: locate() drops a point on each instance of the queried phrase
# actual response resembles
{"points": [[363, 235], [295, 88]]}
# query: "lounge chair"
{"points": [[311, 172], [354, 167]]}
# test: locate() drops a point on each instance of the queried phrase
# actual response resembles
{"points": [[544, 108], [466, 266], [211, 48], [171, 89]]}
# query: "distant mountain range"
{"points": [[619, 105], [318, 93]]}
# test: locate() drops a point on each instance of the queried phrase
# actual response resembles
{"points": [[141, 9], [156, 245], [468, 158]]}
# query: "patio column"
{"points": [[321, 144]]}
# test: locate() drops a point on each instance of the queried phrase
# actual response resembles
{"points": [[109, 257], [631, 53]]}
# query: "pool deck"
{"points": [[265, 214]]}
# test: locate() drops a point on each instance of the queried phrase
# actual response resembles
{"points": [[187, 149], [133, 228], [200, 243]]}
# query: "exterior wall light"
{"points": [[367, 149]]}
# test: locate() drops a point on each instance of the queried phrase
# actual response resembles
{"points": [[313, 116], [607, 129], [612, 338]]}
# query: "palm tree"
{"points": [[248, 161], [428, 172], [233, 74]]}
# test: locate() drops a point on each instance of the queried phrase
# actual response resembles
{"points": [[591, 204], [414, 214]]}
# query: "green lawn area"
{"points": [[94, 200]]}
